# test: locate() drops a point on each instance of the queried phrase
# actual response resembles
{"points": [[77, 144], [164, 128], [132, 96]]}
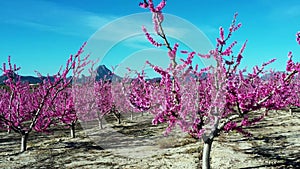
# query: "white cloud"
{"points": [[208, 29], [94, 21], [33, 24], [48, 16]]}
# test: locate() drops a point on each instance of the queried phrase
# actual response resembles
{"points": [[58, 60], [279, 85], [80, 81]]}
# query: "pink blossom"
{"points": [[222, 34], [150, 39], [143, 5], [230, 126], [160, 6], [269, 62], [239, 58]]}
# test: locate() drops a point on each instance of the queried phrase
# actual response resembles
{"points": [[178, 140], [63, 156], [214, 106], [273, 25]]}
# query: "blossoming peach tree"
{"points": [[25, 107], [63, 109], [224, 98]]}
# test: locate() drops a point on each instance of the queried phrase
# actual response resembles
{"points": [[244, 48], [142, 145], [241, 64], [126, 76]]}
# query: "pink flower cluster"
{"points": [[157, 18], [150, 38], [292, 66], [149, 4]]}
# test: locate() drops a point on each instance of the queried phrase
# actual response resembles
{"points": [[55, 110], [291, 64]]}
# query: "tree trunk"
{"points": [[100, 123], [291, 111], [206, 154], [119, 119], [131, 116], [24, 139], [72, 127], [8, 129]]}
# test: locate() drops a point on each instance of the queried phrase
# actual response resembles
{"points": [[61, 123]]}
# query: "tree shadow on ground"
{"points": [[273, 148], [49, 157]]}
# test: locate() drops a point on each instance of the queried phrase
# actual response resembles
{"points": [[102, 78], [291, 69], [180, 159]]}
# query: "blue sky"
{"points": [[41, 34]]}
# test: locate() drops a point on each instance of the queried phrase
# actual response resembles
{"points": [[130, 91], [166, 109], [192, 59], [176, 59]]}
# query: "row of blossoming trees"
{"points": [[204, 102], [61, 99]]}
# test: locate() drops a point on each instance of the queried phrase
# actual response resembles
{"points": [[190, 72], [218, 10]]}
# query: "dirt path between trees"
{"points": [[139, 145]]}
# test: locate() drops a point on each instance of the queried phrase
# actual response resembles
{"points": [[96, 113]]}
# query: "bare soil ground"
{"points": [[139, 145]]}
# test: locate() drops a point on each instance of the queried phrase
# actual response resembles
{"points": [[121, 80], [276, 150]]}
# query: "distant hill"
{"points": [[154, 80], [270, 75], [30, 79], [102, 71]]}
